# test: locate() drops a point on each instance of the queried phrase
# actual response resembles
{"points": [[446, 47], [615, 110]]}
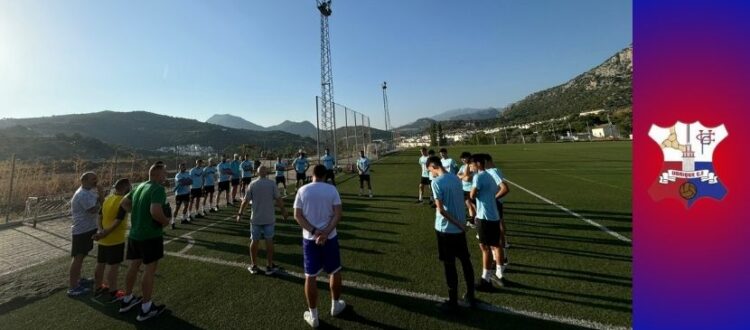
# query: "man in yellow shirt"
{"points": [[111, 238]]}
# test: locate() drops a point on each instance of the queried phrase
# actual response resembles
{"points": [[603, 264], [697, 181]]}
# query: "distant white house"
{"points": [[605, 131]]}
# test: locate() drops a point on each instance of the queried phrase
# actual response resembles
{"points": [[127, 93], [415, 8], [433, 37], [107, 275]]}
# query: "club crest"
{"points": [[688, 170]]}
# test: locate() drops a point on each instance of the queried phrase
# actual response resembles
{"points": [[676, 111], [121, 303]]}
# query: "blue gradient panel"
{"points": [[691, 265]]}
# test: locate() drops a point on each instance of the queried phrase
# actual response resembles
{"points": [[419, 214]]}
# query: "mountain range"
{"points": [[303, 128], [606, 86], [146, 131]]}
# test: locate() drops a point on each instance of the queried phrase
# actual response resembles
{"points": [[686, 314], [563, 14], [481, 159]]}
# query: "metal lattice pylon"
{"points": [[327, 120]]}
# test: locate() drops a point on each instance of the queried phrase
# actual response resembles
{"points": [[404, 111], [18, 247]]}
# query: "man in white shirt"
{"points": [[84, 209], [317, 209]]}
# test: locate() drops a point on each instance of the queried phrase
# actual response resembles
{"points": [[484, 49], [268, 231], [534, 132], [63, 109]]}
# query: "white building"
{"points": [[605, 131]]}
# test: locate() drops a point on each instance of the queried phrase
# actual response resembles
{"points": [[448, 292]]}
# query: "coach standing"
{"points": [[145, 240], [317, 209]]}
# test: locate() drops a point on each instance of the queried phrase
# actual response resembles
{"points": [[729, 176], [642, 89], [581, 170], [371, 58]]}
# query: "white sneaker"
{"points": [[337, 307], [310, 319]]}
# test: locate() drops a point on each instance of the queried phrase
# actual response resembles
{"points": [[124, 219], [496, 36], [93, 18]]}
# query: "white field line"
{"points": [[419, 295], [197, 230], [189, 245], [589, 221]]}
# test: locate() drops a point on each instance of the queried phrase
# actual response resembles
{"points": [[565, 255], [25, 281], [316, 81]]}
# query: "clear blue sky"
{"points": [[261, 59]]}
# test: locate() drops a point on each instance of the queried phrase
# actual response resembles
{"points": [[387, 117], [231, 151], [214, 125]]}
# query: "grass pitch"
{"points": [[563, 273]]}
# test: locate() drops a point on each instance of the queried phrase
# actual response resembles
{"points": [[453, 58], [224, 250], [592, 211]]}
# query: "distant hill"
{"points": [[29, 145], [468, 114], [418, 126], [230, 121], [607, 86], [304, 128], [149, 131]]}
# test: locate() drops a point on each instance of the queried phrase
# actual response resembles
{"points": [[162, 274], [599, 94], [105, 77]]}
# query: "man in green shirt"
{"points": [[145, 240]]}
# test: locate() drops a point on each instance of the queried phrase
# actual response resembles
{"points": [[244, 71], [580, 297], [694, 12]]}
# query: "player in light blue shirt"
{"points": [[301, 164], [280, 167], [209, 179], [329, 162], [448, 163], [182, 184], [450, 231], [497, 174], [236, 177], [424, 180], [225, 173], [247, 168], [363, 168], [196, 189], [466, 175], [487, 222]]}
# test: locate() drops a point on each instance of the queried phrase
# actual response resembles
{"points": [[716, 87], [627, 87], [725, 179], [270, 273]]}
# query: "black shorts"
{"points": [[179, 199], [425, 181], [452, 246], [149, 250], [235, 182], [300, 176], [499, 209], [82, 243], [280, 179], [208, 189], [247, 180], [224, 186], [330, 174], [196, 193], [489, 232], [364, 177], [111, 254]]}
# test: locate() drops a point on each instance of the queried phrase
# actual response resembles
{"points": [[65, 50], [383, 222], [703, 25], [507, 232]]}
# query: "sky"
{"points": [[260, 60]]}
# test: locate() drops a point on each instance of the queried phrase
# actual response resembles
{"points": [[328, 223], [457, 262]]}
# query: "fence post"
{"points": [[10, 189]]}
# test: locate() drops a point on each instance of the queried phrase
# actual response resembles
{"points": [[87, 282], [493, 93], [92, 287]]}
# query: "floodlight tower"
{"points": [[388, 126], [327, 111]]}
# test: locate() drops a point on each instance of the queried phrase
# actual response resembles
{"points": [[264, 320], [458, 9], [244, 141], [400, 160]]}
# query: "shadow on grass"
{"points": [[166, 320], [571, 275], [463, 317], [572, 252], [614, 304], [563, 226], [19, 302]]}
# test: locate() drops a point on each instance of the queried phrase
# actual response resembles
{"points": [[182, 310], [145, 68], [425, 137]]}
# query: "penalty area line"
{"points": [[419, 295], [589, 221]]}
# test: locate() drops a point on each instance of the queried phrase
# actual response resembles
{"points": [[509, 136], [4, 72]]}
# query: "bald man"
{"points": [[84, 209], [262, 193], [145, 240]]}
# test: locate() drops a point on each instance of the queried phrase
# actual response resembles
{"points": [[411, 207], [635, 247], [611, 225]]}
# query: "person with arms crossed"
{"points": [[425, 178], [448, 163], [145, 241], [317, 209]]}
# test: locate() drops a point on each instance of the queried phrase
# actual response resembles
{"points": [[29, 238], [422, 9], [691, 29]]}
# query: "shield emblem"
{"points": [[688, 170]]}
